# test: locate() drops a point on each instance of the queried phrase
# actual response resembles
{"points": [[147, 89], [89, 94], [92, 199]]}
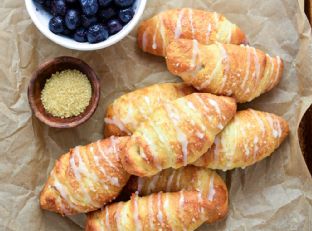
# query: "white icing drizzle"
{"points": [[162, 31], [104, 155], [150, 212], [256, 147], [257, 64], [246, 148], [152, 185], [259, 121], [247, 68], [215, 105], [229, 38], [216, 19], [82, 169], [182, 138], [211, 188], [137, 221], [154, 46], [195, 53], [169, 183], [118, 123], [275, 132], [113, 180], [202, 103], [225, 60], [159, 213], [107, 224], [181, 206], [113, 141], [117, 217], [63, 192], [200, 135], [191, 22], [144, 41], [208, 33], [271, 69], [200, 201], [178, 28], [216, 149]]}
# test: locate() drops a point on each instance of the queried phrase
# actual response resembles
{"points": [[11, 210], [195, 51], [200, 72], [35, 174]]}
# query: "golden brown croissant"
{"points": [[127, 112], [242, 72], [156, 33], [86, 178], [187, 178], [183, 210], [248, 138], [177, 133]]}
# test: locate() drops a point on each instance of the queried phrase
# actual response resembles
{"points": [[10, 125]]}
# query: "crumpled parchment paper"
{"points": [[275, 194]]}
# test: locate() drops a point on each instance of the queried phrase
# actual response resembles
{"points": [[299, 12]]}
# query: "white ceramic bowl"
{"points": [[41, 19]]}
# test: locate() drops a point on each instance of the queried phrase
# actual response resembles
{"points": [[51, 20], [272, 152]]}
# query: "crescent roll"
{"points": [[177, 133], [248, 138], [183, 210], [155, 34], [242, 72], [126, 113], [86, 178], [187, 178]]}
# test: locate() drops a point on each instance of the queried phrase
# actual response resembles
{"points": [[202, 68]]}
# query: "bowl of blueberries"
{"points": [[85, 24]]}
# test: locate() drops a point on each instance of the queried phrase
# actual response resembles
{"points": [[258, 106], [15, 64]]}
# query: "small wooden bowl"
{"points": [[38, 81]]}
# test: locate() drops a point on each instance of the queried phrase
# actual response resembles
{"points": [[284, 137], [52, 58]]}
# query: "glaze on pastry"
{"points": [[177, 133], [155, 34], [248, 138], [183, 210], [126, 113], [86, 178], [241, 72]]}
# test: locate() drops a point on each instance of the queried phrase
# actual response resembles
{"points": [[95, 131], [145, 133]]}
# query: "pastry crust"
{"points": [[241, 72], [125, 114], [187, 178], [183, 210], [155, 34], [248, 138], [86, 178], [177, 133]]}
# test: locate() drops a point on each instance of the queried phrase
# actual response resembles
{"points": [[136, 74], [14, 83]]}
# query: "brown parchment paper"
{"points": [[275, 194]]}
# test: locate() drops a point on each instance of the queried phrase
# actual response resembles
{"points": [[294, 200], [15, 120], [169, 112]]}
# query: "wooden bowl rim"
{"points": [[94, 81]]}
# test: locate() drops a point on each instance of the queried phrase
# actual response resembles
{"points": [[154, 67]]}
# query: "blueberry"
{"points": [[114, 26], [89, 7], [56, 25], [88, 21], [107, 13], [48, 5], [97, 33], [80, 35], [105, 3], [58, 7], [125, 15], [124, 3], [67, 32], [72, 19]]}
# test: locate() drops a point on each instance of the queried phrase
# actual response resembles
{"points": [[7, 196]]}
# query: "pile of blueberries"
{"points": [[88, 20]]}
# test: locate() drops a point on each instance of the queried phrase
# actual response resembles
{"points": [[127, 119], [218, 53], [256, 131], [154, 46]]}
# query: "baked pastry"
{"points": [[187, 178], [86, 178], [183, 210], [248, 138], [156, 33], [242, 72], [177, 133], [126, 113]]}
